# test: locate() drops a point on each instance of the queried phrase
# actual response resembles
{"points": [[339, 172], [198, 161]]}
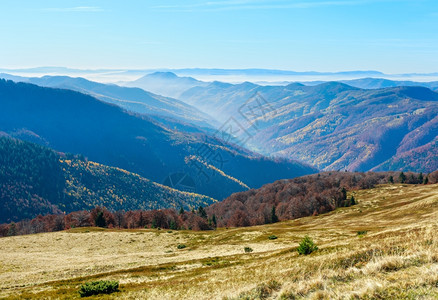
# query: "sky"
{"points": [[392, 36]]}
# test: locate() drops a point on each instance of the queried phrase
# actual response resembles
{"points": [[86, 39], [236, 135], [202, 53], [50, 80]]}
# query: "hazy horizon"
{"points": [[393, 36], [111, 75]]}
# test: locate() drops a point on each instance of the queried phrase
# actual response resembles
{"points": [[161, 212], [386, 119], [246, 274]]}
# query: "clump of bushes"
{"points": [[306, 246], [98, 287], [362, 232], [181, 246], [248, 249], [273, 237], [212, 262]]}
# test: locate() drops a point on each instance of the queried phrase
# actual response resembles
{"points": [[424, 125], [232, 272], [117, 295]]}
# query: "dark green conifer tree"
{"points": [[402, 177], [100, 220], [391, 179], [274, 217], [202, 213]]}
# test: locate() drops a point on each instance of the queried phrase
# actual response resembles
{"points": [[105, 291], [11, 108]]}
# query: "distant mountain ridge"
{"points": [[166, 83], [260, 72], [304, 121], [131, 99], [234, 75], [379, 83], [69, 121], [217, 71], [332, 125]]}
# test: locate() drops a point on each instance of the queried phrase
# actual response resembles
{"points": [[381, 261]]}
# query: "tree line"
{"points": [[281, 200]]}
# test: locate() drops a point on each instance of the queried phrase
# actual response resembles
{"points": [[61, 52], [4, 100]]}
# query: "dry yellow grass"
{"points": [[396, 259]]}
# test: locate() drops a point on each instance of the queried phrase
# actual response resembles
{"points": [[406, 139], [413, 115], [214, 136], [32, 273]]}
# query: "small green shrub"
{"points": [[211, 262], [181, 246], [306, 246], [362, 232], [273, 237], [248, 249], [98, 287]]}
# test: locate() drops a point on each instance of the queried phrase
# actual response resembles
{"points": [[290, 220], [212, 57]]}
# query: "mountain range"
{"points": [[166, 83], [69, 121], [172, 111], [332, 126], [133, 149], [379, 83], [322, 124], [233, 75], [53, 69]]}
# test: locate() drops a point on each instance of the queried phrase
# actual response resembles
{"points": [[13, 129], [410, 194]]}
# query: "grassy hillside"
{"points": [[395, 256]]}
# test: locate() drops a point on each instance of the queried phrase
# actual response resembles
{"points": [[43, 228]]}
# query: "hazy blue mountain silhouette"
{"points": [[165, 83], [132, 99]]}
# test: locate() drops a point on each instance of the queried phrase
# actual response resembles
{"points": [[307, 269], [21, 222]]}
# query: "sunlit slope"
{"points": [[332, 126], [396, 258]]}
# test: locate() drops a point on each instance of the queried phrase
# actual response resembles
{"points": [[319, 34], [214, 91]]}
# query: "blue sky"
{"points": [[389, 36]]}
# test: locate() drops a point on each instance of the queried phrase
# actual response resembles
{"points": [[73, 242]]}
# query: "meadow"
{"points": [[385, 247]]}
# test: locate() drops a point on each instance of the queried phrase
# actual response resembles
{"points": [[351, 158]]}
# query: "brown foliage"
{"points": [[299, 197], [295, 198]]}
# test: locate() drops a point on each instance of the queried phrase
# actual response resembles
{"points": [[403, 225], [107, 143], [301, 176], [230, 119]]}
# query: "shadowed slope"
{"points": [[69, 121]]}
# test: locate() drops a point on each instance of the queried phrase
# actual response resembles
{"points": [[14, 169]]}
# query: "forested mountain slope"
{"points": [[36, 180], [332, 126], [69, 121], [130, 98]]}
